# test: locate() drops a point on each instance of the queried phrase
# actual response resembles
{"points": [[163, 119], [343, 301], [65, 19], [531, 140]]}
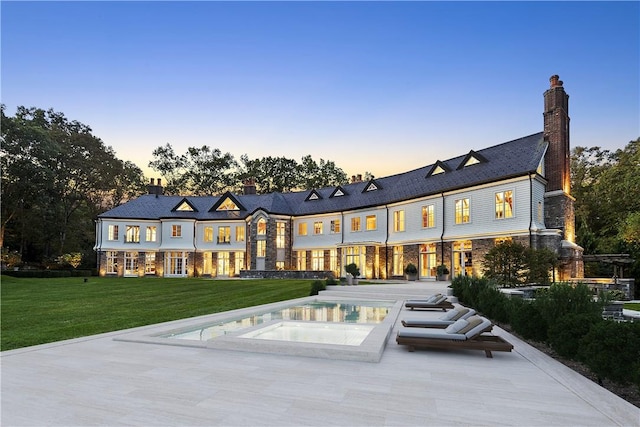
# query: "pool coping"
{"points": [[370, 350]]}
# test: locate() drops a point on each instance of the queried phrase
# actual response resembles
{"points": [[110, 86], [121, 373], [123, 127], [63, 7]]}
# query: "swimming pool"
{"points": [[328, 327]]}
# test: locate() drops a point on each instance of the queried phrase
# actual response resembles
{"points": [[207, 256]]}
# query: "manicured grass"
{"points": [[37, 311], [632, 306]]}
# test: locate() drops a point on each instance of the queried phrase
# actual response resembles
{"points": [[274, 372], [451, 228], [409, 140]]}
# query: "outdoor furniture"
{"points": [[436, 301], [466, 334], [443, 321]]}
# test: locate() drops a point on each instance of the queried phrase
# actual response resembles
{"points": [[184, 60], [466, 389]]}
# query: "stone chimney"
{"points": [[556, 133], [249, 186]]}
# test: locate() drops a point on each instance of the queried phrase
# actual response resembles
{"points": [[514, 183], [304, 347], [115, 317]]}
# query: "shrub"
{"points": [[411, 269], [565, 334], [506, 264], [526, 320], [493, 304], [540, 263], [352, 269], [316, 287], [612, 350], [562, 298], [331, 281]]}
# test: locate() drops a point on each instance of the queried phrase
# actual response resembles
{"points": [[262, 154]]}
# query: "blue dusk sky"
{"points": [[383, 87]]}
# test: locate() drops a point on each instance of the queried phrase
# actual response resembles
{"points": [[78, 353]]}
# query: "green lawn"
{"points": [[632, 306], [37, 311]]}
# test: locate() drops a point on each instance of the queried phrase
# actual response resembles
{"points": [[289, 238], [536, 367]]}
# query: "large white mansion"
{"points": [[450, 212]]}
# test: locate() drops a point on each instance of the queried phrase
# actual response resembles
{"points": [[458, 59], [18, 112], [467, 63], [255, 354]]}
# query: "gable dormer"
{"points": [[227, 202], [339, 191], [471, 159], [313, 195], [438, 168], [184, 206], [372, 185]]}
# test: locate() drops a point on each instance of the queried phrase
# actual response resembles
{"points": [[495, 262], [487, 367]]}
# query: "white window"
{"points": [[317, 260], [333, 261], [151, 234], [335, 226], [208, 234], [150, 263], [224, 235], [133, 234], [462, 211], [131, 263], [261, 248], [239, 233], [317, 227], [280, 233], [428, 216], [239, 262], [504, 204], [371, 222], [398, 261], [113, 232], [175, 263], [355, 223], [302, 229], [302, 260], [176, 231], [112, 262], [398, 221]]}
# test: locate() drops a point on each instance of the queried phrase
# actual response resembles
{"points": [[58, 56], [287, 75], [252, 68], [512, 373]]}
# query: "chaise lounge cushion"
{"points": [[457, 327], [430, 333], [472, 322]]}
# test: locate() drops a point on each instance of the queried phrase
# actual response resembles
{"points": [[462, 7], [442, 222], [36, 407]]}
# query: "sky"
{"points": [[379, 87]]}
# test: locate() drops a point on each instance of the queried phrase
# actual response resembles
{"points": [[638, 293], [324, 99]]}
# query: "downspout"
{"points": [[530, 210], [442, 235], [386, 247], [98, 243]]}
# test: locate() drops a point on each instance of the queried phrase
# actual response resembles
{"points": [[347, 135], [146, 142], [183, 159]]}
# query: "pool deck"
{"points": [[101, 381]]}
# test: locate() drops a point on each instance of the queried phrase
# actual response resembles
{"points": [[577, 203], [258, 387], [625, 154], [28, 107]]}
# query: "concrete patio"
{"points": [[99, 381]]}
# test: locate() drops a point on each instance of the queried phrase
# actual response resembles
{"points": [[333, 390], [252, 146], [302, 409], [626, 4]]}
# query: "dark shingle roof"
{"points": [[510, 159]]}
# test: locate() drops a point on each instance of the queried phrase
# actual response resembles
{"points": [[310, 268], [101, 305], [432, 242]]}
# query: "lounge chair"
{"points": [[463, 334], [436, 301], [443, 321]]}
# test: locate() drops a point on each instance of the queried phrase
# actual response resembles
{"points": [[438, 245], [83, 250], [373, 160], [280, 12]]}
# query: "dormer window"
{"points": [[228, 205], [471, 159], [227, 202], [372, 186], [184, 206], [313, 195], [339, 191], [437, 169]]}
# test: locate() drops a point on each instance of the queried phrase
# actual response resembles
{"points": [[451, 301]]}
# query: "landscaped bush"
{"points": [[47, 274], [612, 350], [331, 281], [493, 303], [526, 320], [565, 334], [562, 298], [317, 286]]}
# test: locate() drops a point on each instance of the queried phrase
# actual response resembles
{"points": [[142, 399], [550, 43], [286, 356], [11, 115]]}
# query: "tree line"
{"points": [[56, 177]]}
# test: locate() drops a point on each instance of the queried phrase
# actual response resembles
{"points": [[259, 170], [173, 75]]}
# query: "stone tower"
{"points": [[559, 204]]}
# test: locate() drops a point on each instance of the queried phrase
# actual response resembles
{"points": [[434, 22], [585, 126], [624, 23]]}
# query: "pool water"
{"points": [[363, 312]]}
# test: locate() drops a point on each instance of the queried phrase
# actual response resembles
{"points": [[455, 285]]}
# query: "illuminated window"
{"points": [[437, 170], [262, 226], [398, 261], [239, 262], [398, 221], [355, 223], [317, 260], [501, 240], [184, 206], [228, 205], [112, 262], [151, 234], [280, 233], [462, 211], [208, 234], [504, 204], [428, 216], [176, 231], [261, 248], [302, 228], [131, 263], [224, 235], [113, 232], [150, 263], [335, 226], [317, 227], [239, 233], [133, 234], [302, 260], [371, 222]]}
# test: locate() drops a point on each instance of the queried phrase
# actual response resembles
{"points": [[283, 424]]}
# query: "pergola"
{"points": [[617, 260]]}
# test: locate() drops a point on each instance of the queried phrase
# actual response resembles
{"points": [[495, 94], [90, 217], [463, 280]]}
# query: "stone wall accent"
{"points": [[286, 274]]}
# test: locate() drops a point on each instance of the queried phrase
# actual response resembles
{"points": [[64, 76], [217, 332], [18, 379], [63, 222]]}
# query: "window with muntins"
{"points": [[355, 223], [133, 234], [398, 261], [317, 227], [150, 263], [208, 234], [224, 235], [280, 233], [112, 262], [335, 226], [262, 227], [176, 231], [302, 228], [240, 233], [462, 211], [398, 221], [261, 248], [428, 216], [504, 204], [151, 234], [317, 260], [113, 232]]}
